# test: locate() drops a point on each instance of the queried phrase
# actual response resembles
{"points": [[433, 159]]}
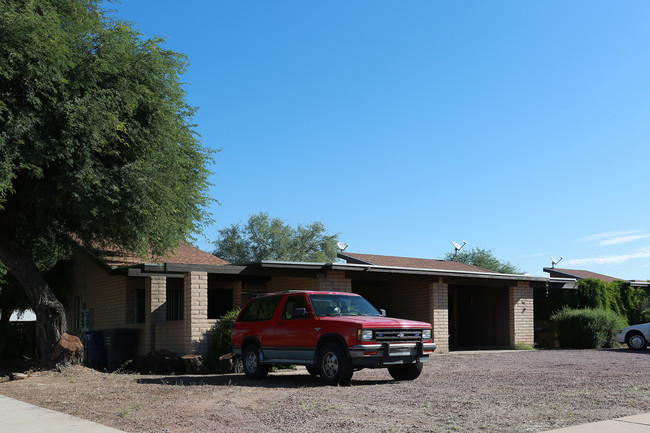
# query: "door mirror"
{"points": [[382, 312]]}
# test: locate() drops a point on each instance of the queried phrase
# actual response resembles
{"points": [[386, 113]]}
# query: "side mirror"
{"points": [[382, 312], [300, 313]]}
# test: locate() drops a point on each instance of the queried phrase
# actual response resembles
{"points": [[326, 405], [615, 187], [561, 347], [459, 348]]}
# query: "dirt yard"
{"points": [[524, 391]]}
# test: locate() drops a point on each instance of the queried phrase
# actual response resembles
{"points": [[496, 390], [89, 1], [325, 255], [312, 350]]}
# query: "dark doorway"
{"points": [[478, 317]]}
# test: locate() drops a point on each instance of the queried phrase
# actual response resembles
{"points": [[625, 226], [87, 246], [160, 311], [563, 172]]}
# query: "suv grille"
{"points": [[398, 335]]}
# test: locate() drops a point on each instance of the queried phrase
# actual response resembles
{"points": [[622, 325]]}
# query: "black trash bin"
{"points": [[120, 346], [97, 357]]}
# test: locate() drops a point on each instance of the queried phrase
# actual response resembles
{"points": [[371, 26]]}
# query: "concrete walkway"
{"points": [[628, 424], [22, 417]]}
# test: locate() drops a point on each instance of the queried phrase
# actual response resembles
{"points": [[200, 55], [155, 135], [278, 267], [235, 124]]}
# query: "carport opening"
{"points": [[478, 318]]}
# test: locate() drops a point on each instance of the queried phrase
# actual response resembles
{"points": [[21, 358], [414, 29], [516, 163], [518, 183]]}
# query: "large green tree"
{"points": [[96, 141], [266, 238], [484, 259], [12, 297]]}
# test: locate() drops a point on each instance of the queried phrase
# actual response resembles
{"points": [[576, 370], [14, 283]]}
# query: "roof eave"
{"points": [[354, 267]]}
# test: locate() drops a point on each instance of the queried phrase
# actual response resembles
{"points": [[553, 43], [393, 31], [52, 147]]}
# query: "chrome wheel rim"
{"points": [[637, 342], [330, 364], [251, 361]]}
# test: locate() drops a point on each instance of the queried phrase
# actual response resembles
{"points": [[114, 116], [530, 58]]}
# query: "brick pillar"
{"points": [[155, 309], [522, 322], [195, 313], [236, 295], [335, 281], [439, 315]]}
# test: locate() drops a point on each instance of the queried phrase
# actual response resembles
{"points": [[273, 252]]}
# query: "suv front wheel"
{"points": [[333, 364], [251, 360]]}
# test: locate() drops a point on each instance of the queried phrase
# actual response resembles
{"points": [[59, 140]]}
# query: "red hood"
{"points": [[377, 322]]}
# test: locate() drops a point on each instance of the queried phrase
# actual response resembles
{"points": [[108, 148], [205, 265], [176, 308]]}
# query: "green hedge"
{"points": [[618, 296], [222, 331], [644, 317], [587, 328]]}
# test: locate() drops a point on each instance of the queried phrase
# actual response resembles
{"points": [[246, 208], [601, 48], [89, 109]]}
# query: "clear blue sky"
{"points": [[521, 127]]}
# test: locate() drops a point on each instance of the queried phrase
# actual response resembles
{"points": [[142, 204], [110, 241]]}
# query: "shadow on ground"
{"points": [[283, 380]]}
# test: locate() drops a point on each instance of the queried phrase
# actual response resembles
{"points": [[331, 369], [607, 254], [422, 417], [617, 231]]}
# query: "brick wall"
{"points": [[439, 317], [196, 320], [404, 300], [334, 281], [236, 295], [155, 309], [170, 336], [278, 284], [328, 281], [102, 292], [522, 329]]}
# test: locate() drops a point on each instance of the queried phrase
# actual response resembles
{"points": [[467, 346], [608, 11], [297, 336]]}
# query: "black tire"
{"points": [[636, 341], [312, 370], [334, 366], [408, 372], [251, 363]]}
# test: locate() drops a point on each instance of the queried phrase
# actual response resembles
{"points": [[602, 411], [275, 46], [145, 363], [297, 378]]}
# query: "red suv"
{"points": [[331, 333]]}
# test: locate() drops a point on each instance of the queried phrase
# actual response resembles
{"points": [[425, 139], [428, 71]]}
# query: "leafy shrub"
{"points": [[619, 296], [644, 317], [520, 345], [588, 328], [222, 330]]}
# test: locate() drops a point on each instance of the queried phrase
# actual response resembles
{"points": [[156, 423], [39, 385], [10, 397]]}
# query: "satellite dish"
{"points": [[457, 248], [342, 246], [555, 262]]}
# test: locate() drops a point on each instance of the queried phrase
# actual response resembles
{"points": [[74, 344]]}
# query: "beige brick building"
{"points": [[174, 304]]}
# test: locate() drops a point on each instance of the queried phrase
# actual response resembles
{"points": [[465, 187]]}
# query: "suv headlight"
{"points": [[364, 334], [426, 334]]}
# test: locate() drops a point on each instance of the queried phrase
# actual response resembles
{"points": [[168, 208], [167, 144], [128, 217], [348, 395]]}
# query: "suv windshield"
{"points": [[341, 305]]}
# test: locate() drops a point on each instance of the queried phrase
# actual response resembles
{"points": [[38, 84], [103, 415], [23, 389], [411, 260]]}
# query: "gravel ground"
{"points": [[524, 391]]}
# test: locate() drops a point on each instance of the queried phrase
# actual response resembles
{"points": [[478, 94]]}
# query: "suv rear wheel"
{"points": [[251, 360], [333, 364]]}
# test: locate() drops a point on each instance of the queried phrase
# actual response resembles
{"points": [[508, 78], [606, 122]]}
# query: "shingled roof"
{"points": [[409, 262], [184, 254], [578, 273]]}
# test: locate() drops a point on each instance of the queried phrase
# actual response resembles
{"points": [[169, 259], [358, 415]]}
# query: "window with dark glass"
{"points": [[260, 309], [175, 304], [219, 302], [292, 303]]}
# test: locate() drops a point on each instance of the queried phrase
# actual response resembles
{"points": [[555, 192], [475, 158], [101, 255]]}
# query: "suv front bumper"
{"points": [[380, 354]]}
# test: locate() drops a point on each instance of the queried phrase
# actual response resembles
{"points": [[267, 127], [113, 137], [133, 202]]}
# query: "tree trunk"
{"points": [[5, 315], [193, 364], [50, 313]]}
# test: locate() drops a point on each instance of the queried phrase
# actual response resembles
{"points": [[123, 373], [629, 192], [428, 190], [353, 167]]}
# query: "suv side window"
{"points": [[260, 309], [293, 302]]}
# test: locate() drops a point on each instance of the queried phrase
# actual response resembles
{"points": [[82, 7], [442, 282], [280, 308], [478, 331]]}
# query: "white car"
{"points": [[636, 336]]}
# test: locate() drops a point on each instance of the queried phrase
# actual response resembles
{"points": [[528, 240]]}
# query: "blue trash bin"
{"points": [[97, 357], [120, 346]]}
